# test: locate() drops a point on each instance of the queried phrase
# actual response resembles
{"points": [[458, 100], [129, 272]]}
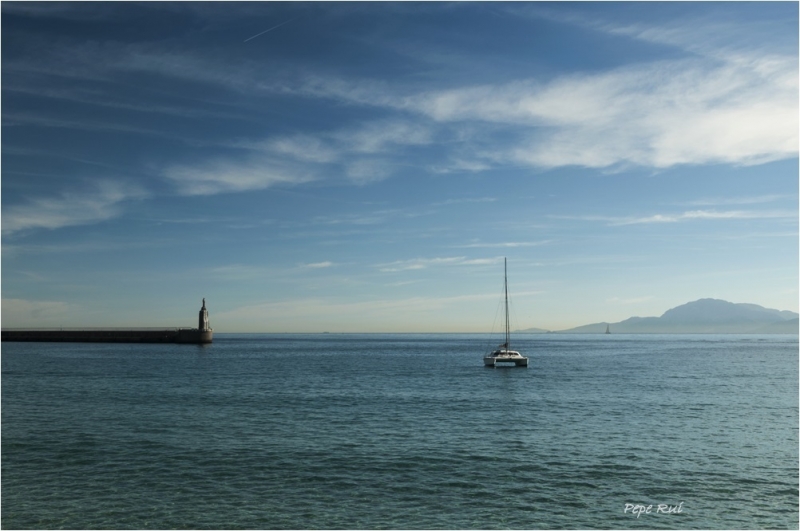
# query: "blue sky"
{"points": [[365, 167]]}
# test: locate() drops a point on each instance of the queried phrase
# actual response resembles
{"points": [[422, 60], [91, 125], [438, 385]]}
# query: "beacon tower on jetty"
{"points": [[202, 334]]}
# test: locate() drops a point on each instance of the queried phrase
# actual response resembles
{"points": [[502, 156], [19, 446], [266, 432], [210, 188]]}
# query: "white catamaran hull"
{"points": [[505, 356]]}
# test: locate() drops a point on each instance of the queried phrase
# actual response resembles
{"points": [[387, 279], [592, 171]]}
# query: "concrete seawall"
{"points": [[150, 335], [202, 334]]}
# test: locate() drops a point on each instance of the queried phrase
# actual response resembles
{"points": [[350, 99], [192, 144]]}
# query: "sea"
{"points": [[335, 431]]}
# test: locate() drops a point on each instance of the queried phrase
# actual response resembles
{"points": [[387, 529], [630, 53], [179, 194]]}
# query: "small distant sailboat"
{"points": [[503, 353], [608, 331]]}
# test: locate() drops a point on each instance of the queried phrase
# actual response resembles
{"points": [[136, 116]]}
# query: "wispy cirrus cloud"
{"points": [[318, 265], [362, 154], [96, 97], [459, 165], [705, 215], [658, 115], [504, 245], [465, 200], [365, 151], [225, 176], [662, 114], [382, 136], [424, 263], [722, 106], [102, 201], [690, 215], [33, 119], [364, 171], [710, 35], [745, 200], [302, 147]]}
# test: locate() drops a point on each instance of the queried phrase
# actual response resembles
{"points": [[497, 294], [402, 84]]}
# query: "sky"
{"points": [[366, 167]]}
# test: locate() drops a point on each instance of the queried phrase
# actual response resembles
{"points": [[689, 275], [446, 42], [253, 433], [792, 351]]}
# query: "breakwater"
{"points": [[202, 334], [111, 335]]}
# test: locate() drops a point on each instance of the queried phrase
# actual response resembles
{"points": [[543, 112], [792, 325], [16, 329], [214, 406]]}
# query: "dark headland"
{"points": [[704, 316], [202, 334]]}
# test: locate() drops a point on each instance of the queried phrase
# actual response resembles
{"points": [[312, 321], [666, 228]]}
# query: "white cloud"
{"points": [[735, 100], [687, 216], [319, 265], [223, 176], [659, 115], [104, 201], [732, 101], [465, 200], [300, 147], [724, 107], [704, 214], [747, 200], [482, 261], [362, 92], [365, 171], [459, 164], [727, 103], [424, 263], [708, 36], [418, 263], [364, 153], [377, 137], [504, 245]]}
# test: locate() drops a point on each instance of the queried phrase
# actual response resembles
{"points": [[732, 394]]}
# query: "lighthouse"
{"points": [[201, 334], [203, 319]]}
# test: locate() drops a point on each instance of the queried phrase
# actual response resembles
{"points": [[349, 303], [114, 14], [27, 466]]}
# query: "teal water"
{"points": [[401, 431]]}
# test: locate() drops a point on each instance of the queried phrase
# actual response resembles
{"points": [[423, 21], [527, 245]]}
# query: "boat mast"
{"points": [[505, 286]]}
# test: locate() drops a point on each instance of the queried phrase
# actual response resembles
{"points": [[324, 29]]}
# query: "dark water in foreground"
{"points": [[401, 431]]}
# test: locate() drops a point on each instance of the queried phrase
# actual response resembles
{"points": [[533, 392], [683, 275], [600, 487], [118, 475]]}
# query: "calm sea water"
{"points": [[401, 431]]}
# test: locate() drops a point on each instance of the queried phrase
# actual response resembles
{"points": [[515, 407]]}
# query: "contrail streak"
{"points": [[266, 30]]}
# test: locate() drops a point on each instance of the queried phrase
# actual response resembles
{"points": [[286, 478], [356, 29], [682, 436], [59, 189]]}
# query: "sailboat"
{"points": [[503, 353]]}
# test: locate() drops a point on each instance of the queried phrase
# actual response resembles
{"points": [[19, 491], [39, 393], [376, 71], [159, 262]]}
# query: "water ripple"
{"points": [[410, 432]]}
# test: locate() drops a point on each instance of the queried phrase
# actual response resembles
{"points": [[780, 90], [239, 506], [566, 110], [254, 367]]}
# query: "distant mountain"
{"points": [[704, 316], [532, 331]]}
